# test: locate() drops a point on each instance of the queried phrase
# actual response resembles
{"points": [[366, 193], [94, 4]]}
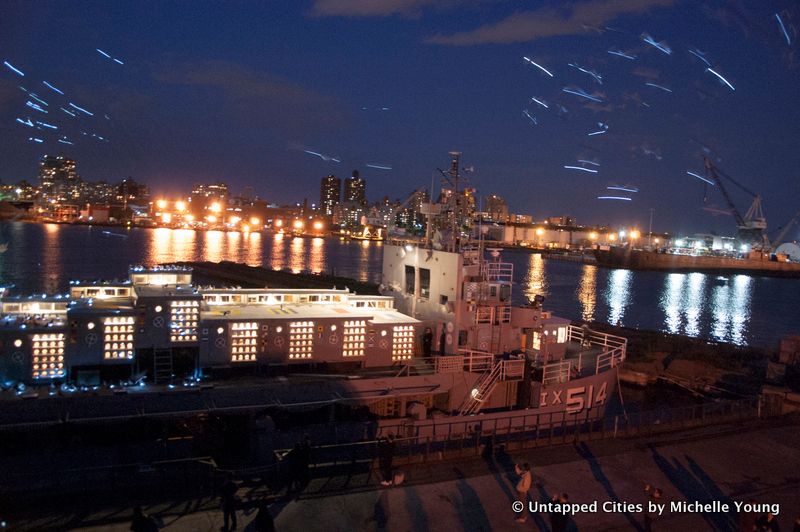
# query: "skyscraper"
{"points": [[58, 179], [355, 189], [496, 208], [330, 194]]}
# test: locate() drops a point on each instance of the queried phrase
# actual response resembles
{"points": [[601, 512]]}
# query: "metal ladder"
{"points": [[483, 389], [162, 365], [494, 345]]}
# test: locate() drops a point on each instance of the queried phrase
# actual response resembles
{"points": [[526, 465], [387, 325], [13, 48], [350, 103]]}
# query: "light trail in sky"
{"points": [[540, 67]]}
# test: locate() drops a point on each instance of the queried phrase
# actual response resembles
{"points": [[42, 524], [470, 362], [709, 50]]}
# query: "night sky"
{"points": [[235, 91]]}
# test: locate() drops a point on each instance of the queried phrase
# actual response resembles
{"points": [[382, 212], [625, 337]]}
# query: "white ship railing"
{"points": [[513, 369], [498, 271], [591, 338], [484, 314], [489, 314], [610, 359], [556, 372], [504, 314]]}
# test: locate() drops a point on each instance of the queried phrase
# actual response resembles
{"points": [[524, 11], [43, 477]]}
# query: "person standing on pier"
{"points": [[523, 486], [229, 503], [386, 447], [427, 342]]}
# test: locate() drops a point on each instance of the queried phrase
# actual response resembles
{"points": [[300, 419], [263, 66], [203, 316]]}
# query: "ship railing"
{"points": [[498, 271], [504, 314], [557, 372], [449, 364], [610, 359], [484, 314], [512, 370]]}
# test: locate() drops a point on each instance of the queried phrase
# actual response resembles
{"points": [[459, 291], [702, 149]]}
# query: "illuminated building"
{"points": [[355, 189], [330, 194]]}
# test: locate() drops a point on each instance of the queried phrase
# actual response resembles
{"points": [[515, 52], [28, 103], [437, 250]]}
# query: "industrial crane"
{"points": [[752, 226], [779, 239]]}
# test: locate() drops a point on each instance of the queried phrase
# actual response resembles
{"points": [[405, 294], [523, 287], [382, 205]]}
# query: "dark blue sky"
{"points": [[235, 91]]}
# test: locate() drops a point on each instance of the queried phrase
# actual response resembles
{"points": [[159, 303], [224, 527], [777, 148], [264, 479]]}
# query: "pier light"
{"points": [[539, 231], [318, 225], [161, 204], [245, 228], [189, 218], [278, 223], [180, 206], [215, 207], [634, 234], [255, 221], [166, 217], [679, 243], [298, 224], [612, 237], [592, 236], [235, 220], [211, 218], [622, 233], [656, 240], [744, 248]]}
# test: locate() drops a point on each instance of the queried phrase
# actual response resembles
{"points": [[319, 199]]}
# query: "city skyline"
{"points": [[208, 98]]}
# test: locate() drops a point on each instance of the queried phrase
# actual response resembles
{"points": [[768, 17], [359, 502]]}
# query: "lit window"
{"points": [[243, 341], [402, 342], [301, 340], [118, 346], [48, 356], [353, 338], [184, 316]]}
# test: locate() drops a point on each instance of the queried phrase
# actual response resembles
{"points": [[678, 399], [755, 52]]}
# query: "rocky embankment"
{"points": [[699, 365]]}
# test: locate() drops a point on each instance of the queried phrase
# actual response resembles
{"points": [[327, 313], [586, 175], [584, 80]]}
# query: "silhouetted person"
{"points": [[747, 520], [768, 523], [386, 447], [264, 521], [229, 504], [442, 340], [305, 459], [655, 496], [522, 487], [142, 522], [295, 462], [427, 342], [559, 520]]}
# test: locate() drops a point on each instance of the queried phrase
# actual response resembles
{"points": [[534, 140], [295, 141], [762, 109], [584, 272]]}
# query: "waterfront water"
{"points": [[739, 308]]}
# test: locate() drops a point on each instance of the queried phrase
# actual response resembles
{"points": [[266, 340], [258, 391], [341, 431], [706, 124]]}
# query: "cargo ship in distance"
{"points": [[755, 263]]}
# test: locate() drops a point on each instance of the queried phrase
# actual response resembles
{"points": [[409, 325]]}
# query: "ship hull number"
{"points": [[575, 399]]}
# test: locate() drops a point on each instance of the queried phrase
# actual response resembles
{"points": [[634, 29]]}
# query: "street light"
{"points": [[180, 206], [161, 204]]}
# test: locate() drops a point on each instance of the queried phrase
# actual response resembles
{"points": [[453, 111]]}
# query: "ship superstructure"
{"points": [[159, 324], [443, 346]]}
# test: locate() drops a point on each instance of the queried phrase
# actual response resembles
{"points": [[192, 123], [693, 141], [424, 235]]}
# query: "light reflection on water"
{"points": [[587, 292], [739, 309], [536, 281], [683, 302], [618, 295], [730, 304]]}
